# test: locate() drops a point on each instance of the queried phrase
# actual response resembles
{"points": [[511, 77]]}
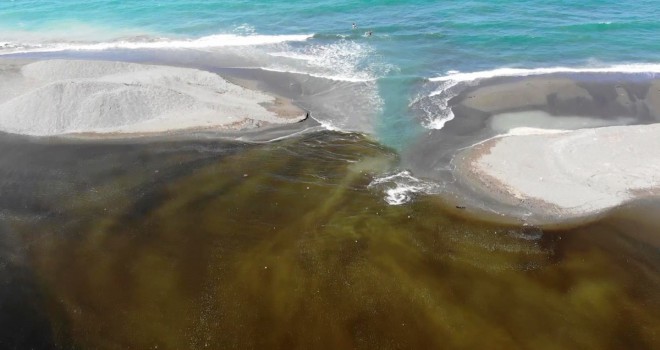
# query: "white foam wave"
{"points": [[438, 112], [211, 41], [401, 187], [435, 105], [639, 68], [341, 60]]}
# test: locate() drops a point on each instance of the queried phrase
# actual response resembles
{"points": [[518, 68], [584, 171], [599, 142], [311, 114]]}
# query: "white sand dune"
{"points": [[67, 97], [567, 174]]}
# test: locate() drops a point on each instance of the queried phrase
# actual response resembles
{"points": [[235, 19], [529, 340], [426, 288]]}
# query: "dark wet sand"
{"points": [[195, 244]]}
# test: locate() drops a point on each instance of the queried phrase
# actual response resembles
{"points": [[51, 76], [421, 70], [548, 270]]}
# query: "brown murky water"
{"points": [[221, 245]]}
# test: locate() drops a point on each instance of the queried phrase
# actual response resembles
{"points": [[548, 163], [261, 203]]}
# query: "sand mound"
{"points": [[567, 174], [64, 97]]}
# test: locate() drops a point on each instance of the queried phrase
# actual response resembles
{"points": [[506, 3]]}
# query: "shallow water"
{"points": [[216, 244]]}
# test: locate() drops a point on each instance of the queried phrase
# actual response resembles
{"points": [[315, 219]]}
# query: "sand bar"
{"points": [[567, 174], [547, 150], [61, 97]]}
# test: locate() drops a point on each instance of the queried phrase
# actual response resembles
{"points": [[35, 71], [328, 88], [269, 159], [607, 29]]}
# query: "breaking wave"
{"points": [[148, 42]]}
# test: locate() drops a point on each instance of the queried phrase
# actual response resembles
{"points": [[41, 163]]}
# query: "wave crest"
{"points": [[148, 42]]}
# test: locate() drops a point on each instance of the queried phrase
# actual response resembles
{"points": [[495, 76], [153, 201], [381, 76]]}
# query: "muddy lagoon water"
{"points": [[215, 244]]}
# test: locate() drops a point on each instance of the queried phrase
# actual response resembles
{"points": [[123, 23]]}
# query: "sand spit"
{"points": [[94, 97], [548, 150], [563, 175]]}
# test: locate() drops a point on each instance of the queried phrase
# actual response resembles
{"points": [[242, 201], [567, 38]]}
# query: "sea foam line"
{"points": [[639, 68], [211, 41], [448, 82]]}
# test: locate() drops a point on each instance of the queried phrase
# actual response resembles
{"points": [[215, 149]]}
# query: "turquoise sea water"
{"points": [[421, 38], [412, 40]]}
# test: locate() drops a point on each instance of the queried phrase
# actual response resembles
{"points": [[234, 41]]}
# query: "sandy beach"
{"points": [[75, 97]]}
